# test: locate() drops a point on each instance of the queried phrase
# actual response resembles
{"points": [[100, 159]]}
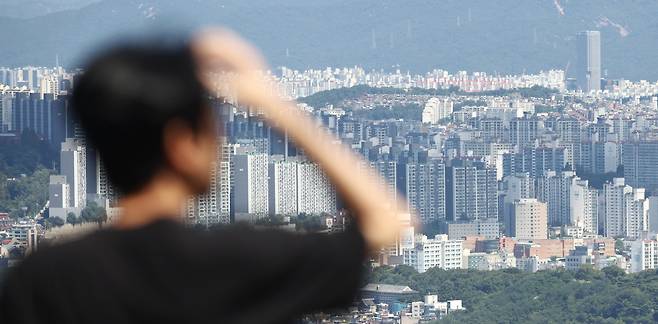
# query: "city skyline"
{"points": [[525, 195]]}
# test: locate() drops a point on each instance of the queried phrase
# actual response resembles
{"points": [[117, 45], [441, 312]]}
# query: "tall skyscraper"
{"points": [[588, 63]]}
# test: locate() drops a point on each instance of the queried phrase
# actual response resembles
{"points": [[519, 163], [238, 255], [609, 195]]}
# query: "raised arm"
{"points": [[375, 209]]}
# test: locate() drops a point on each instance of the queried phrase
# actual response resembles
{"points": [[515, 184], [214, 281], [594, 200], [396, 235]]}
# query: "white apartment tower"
{"points": [[214, 206], [583, 206], [282, 186], [436, 109], [626, 210], [73, 166], [250, 183], [644, 255], [315, 193], [554, 189]]}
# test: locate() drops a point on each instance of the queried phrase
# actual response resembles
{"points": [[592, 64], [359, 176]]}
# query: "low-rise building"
{"points": [[437, 252], [383, 293]]}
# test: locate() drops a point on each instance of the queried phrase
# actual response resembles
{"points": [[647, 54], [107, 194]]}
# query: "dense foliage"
{"points": [[303, 222], [26, 155], [512, 296], [92, 213], [24, 195], [337, 96], [24, 175], [597, 180], [406, 112]]}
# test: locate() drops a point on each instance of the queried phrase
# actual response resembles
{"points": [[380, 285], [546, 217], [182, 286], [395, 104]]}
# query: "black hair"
{"points": [[125, 98]]}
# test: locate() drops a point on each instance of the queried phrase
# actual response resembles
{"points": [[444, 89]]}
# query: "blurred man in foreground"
{"points": [[145, 109]]}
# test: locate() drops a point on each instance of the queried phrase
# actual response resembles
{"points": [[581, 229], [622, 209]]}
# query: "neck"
{"points": [[162, 198]]}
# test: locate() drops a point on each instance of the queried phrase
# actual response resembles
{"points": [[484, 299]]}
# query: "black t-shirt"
{"points": [[166, 273]]}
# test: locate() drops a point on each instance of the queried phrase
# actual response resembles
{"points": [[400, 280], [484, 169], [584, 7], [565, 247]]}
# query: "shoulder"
{"points": [[50, 261]]}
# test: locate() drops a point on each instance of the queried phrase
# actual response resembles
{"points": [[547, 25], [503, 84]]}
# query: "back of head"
{"points": [[125, 98]]}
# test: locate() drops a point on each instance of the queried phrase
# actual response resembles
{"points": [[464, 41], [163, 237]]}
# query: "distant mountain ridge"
{"points": [[35, 8], [502, 36]]}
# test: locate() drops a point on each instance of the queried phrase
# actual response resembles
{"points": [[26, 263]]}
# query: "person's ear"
{"points": [[189, 154]]}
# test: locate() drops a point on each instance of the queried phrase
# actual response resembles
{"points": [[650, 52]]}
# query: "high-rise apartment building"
{"points": [[515, 187], [213, 207], [534, 160], [73, 161], [554, 188], [626, 210], [530, 219], [425, 190], [104, 188], [315, 193], [282, 186], [524, 131], [493, 129], [387, 174], [436, 109], [640, 160], [568, 129], [471, 191], [583, 206], [250, 191]]}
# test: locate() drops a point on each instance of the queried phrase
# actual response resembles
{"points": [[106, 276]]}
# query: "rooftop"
{"points": [[391, 289]]}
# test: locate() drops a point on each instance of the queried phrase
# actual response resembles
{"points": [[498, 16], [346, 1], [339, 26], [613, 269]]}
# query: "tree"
{"points": [[72, 219], [93, 213], [24, 195], [619, 246], [51, 222], [310, 223], [556, 296]]}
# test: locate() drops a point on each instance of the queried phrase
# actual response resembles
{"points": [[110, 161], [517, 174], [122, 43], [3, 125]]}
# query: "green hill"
{"points": [[512, 296]]}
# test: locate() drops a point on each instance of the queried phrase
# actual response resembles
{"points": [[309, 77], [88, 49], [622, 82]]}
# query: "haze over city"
{"points": [[520, 139]]}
